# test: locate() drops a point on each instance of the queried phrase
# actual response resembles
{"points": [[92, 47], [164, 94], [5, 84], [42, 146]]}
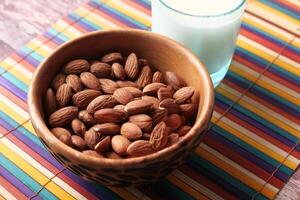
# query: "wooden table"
{"points": [[22, 20]]}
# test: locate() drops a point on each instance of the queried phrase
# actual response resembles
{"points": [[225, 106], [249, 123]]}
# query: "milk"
{"points": [[208, 27]]}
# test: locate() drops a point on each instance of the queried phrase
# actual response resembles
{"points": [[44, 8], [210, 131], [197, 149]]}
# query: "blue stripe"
{"points": [[5, 82]]}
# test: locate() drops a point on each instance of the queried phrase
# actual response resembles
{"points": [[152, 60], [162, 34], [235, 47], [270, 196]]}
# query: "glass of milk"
{"points": [[208, 27]]}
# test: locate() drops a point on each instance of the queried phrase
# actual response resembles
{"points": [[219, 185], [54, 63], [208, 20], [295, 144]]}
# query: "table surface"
{"points": [[24, 26]]}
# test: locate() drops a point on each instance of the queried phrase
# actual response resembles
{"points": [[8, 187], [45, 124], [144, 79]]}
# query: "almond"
{"points": [[143, 121], [58, 80], [113, 155], [120, 144], [123, 96], [91, 138], [78, 127], [63, 95], [188, 110], [164, 93], [145, 77], [90, 81], [174, 80], [112, 58], [66, 139], [140, 148], [134, 91], [131, 131], [195, 97], [78, 143], [155, 102], [174, 122], [159, 136], [107, 128], [75, 82], [50, 101], [143, 62], [183, 94], [86, 117], [146, 136], [110, 115], [101, 70], [118, 71], [152, 88], [120, 107], [76, 66], [58, 131], [172, 139], [131, 66], [108, 86], [63, 116], [83, 98], [103, 101], [170, 105], [157, 77], [92, 153], [127, 84], [138, 106], [103, 145], [184, 130], [159, 115]]}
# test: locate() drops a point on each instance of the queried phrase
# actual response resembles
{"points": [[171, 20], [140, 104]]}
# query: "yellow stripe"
{"points": [[98, 22], [60, 193], [14, 115], [20, 76], [287, 66], [28, 126], [123, 193], [70, 34], [32, 45], [32, 172], [260, 113], [81, 11], [186, 188], [234, 172], [265, 85], [4, 65], [2, 198]]}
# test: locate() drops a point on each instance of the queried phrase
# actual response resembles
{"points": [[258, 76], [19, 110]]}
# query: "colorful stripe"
{"points": [[250, 151]]}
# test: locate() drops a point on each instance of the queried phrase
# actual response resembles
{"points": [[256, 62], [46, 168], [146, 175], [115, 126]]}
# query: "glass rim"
{"points": [[205, 16]]}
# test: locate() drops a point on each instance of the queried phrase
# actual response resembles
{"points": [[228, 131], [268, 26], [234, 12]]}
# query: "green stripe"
{"points": [[25, 178], [26, 50], [20, 84], [94, 26], [9, 120]]}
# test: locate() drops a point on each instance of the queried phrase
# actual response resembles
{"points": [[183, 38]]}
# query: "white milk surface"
{"points": [[211, 38]]}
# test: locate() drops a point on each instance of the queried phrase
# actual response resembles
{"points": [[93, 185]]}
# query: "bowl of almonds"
{"points": [[121, 107]]}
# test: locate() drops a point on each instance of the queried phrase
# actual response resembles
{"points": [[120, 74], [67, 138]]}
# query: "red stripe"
{"points": [[138, 6], [206, 182], [289, 5], [76, 26], [292, 55], [248, 63], [232, 155], [42, 38], [16, 57], [3, 130], [12, 189], [27, 65], [13, 98], [48, 165]]}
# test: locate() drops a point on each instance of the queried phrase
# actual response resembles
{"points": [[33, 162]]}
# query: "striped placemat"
{"points": [[251, 149]]}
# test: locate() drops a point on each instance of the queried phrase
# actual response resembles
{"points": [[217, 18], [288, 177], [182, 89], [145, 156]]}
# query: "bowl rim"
{"points": [[43, 131]]}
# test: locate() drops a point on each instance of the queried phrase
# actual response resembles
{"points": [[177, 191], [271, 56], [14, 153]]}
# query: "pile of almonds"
{"points": [[106, 110]]}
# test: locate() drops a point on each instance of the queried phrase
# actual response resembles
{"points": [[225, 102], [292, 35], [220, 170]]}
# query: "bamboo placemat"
{"points": [[251, 149]]}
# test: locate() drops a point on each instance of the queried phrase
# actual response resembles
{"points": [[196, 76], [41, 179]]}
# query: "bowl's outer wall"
{"points": [[165, 55]]}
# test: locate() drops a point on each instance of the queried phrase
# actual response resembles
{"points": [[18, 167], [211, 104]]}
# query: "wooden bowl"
{"points": [[163, 53]]}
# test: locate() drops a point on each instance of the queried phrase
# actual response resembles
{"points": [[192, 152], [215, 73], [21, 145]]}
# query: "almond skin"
{"points": [[78, 127], [155, 102], [183, 130], [172, 139], [113, 155], [188, 110], [58, 80], [90, 81], [91, 138], [112, 58], [66, 139], [138, 106], [164, 93], [63, 95], [58, 131], [120, 107], [76, 66], [159, 115], [174, 122], [63, 116], [131, 131], [78, 143], [108, 86], [174, 80], [140, 148], [152, 88], [134, 91], [127, 84], [131, 66], [170, 105], [103, 101], [123, 96], [183, 94], [143, 121], [157, 77], [120, 144], [110, 115], [86, 117], [75, 82], [145, 77], [143, 62], [101, 70], [107, 128], [92, 153], [50, 101], [83, 98], [159, 136], [118, 71], [103, 145]]}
